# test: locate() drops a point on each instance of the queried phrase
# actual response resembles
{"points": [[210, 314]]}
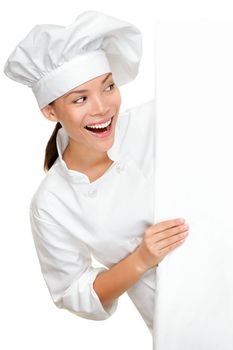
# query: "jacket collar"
{"points": [[62, 141]]}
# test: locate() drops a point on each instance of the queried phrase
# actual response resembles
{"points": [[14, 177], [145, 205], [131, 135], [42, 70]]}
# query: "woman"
{"points": [[97, 196]]}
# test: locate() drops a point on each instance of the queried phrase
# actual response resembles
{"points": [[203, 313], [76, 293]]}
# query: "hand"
{"points": [[158, 240]]}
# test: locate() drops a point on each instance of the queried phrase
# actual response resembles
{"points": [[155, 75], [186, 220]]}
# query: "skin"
{"points": [[74, 110], [158, 240], [88, 154]]}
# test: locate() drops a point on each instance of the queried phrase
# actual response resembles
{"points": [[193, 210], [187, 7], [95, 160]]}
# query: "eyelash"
{"points": [[112, 85]]}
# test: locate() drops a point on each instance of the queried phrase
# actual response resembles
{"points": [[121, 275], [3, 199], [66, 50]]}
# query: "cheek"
{"points": [[72, 118], [116, 98]]}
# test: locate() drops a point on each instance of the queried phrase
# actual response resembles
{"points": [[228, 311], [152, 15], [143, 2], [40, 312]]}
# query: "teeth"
{"points": [[99, 126]]}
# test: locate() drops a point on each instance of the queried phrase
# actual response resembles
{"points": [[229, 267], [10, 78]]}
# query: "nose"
{"points": [[99, 105]]}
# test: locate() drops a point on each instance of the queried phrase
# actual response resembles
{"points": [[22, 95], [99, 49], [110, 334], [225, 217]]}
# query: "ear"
{"points": [[49, 113]]}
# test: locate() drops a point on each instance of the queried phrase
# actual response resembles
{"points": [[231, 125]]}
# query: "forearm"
{"points": [[110, 284]]}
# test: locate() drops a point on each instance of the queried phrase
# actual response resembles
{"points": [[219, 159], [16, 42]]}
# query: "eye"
{"points": [[80, 100], [110, 87]]}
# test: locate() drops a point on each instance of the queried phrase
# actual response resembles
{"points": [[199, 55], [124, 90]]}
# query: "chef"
{"points": [[97, 197]]}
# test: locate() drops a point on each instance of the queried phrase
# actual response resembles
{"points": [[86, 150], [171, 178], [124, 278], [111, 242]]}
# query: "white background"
{"points": [[29, 318]]}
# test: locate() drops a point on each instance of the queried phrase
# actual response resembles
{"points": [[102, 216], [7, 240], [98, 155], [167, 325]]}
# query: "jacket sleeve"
{"points": [[140, 140], [67, 269]]}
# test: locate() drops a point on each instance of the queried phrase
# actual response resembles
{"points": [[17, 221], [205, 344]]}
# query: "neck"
{"points": [[78, 158]]}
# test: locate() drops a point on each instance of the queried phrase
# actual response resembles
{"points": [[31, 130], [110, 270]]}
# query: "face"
{"points": [[96, 102]]}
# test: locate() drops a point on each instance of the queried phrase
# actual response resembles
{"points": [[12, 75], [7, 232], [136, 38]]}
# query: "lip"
{"points": [[100, 122], [104, 134]]}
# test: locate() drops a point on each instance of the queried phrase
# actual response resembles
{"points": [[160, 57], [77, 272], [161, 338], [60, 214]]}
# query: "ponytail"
{"points": [[51, 153]]}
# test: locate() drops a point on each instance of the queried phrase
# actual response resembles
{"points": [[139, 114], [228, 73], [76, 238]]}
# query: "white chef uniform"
{"points": [[73, 219]]}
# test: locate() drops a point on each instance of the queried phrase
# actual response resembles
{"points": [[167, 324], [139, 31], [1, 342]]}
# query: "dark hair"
{"points": [[51, 153]]}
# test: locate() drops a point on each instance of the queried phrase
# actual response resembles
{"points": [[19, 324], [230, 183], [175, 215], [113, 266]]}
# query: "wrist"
{"points": [[139, 263]]}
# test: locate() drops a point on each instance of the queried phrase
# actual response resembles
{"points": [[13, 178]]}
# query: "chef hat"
{"points": [[54, 59]]}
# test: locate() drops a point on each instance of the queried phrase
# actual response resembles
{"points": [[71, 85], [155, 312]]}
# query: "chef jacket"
{"points": [[73, 219]]}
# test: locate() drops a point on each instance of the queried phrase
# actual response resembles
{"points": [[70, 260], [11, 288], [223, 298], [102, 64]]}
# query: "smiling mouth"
{"points": [[99, 130]]}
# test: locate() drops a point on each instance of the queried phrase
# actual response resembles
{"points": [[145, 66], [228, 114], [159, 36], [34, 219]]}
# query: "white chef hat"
{"points": [[54, 59]]}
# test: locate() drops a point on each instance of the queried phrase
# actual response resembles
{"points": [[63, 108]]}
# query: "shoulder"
{"points": [[140, 122], [139, 134], [46, 194], [147, 107]]}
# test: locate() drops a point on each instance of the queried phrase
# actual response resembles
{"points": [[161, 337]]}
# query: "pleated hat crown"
{"points": [[54, 59]]}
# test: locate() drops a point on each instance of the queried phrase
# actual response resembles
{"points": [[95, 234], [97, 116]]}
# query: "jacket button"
{"points": [[119, 168], [92, 193]]}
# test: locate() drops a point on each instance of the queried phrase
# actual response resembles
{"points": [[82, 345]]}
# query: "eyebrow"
{"points": [[82, 91]]}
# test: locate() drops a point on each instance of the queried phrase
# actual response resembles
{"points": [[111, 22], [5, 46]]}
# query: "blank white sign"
{"points": [[194, 180]]}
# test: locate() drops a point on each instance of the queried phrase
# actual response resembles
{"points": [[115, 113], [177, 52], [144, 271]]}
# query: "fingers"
{"points": [[171, 240], [164, 225], [160, 239], [177, 230], [169, 248]]}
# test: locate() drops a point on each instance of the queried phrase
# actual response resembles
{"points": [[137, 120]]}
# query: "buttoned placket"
{"points": [[93, 191]]}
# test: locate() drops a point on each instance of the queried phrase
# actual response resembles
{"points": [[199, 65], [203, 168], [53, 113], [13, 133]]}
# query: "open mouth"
{"points": [[99, 129]]}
